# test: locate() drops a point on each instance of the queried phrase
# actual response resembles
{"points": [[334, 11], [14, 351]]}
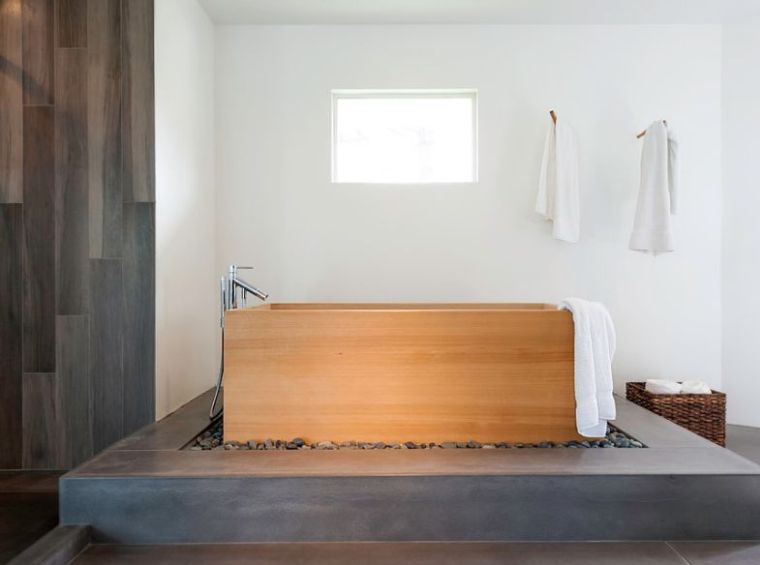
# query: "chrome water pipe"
{"points": [[233, 293]]}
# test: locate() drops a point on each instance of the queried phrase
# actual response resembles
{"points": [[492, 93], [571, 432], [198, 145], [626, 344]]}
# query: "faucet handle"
{"points": [[234, 268]]}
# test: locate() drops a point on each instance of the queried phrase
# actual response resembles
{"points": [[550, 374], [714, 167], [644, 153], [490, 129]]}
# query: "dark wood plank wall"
{"points": [[106, 335], [77, 228], [11, 235], [11, 114]]}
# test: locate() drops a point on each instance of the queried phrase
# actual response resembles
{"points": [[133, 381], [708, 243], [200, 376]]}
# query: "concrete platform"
{"points": [[145, 490]]}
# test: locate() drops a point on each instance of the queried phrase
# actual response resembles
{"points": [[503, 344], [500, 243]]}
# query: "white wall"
{"points": [[741, 243], [186, 287], [311, 240]]}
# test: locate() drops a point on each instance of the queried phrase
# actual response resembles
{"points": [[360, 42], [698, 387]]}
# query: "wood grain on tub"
{"points": [[400, 372]]}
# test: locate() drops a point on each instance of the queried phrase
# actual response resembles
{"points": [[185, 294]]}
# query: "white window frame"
{"points": [[338, 94]]}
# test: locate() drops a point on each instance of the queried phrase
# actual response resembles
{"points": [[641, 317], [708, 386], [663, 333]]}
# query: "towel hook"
{"points": [[553, 114], [643, 133]]}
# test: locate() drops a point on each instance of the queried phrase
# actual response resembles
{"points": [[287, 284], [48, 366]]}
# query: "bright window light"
{"points": [[404, 137]]}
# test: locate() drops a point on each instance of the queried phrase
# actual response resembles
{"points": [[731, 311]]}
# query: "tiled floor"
{"points": [[714, 553], [423, 553]]}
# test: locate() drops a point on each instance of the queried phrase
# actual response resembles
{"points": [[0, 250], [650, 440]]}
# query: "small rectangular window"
{"points": [[404, 136]]}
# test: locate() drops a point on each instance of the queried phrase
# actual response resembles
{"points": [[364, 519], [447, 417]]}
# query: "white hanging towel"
{"points": [[652, 231], [558, 186], [594, 349]]}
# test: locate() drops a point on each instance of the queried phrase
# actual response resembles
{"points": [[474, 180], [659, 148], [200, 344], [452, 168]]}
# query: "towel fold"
{"points": [[661, 386], [558, 197], [594, 349]]}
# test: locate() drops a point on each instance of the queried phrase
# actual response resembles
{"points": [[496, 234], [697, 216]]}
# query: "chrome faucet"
{"points": [[233, 293]]}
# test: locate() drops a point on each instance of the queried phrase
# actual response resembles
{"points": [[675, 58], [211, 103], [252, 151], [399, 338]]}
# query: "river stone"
{"points": [[211, 439]]}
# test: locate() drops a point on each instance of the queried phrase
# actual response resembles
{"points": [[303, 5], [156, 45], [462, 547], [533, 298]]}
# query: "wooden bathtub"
{"points": [[399, 372]]}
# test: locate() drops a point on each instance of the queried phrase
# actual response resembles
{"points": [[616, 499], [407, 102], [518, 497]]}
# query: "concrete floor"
{"points": [[745, 441]]}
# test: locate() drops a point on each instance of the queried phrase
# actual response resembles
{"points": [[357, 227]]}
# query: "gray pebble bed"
{"points": [[212, 440]]}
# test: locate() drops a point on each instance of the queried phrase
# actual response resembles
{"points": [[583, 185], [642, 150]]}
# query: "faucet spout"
{"points": [[248, 287]]}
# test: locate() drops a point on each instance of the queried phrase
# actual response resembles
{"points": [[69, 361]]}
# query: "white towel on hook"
{"points": [[595, 343], [558, 197], [652, 230]]}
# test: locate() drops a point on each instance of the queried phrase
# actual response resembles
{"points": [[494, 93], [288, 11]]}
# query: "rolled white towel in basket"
{"points": [[662, 386], [695, 387]]}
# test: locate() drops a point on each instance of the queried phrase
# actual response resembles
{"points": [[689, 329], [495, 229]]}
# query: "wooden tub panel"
{"points": [[399, 375]]}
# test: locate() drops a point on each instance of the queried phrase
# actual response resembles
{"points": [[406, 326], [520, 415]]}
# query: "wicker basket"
{"points": [[703, 414]]}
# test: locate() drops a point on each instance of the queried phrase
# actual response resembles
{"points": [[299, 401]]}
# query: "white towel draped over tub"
{"points": [[594, 350], [657, 195], [558, 187]]}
